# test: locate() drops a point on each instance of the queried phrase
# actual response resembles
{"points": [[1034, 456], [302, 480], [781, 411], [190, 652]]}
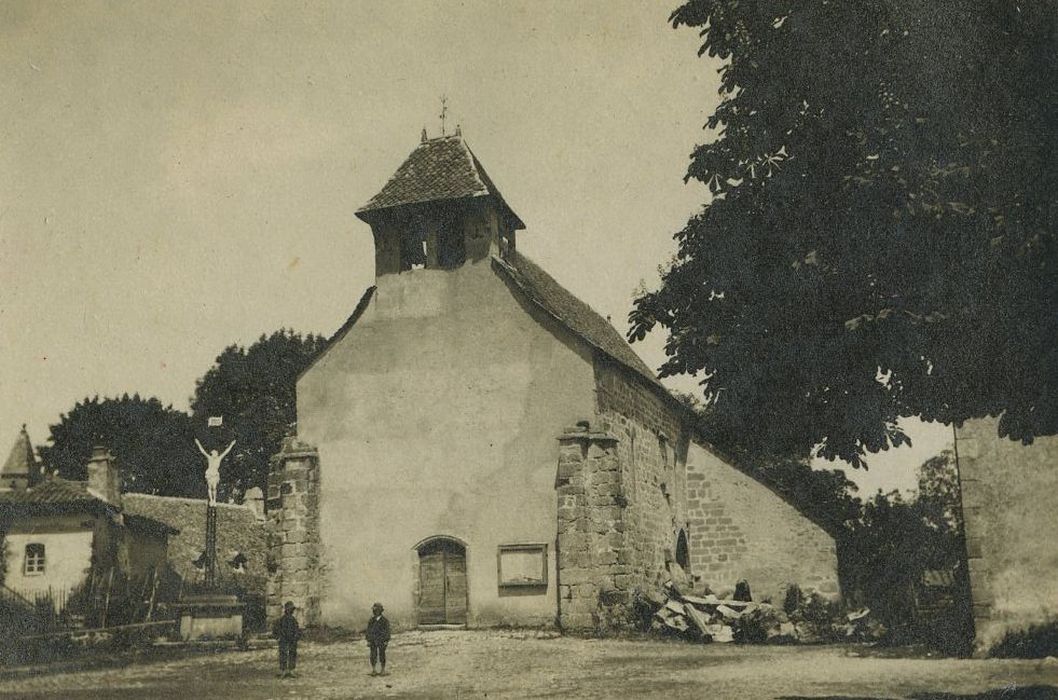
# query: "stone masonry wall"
{"points": [[292, 505], [1010, 497], [594, 561], [736, 527], [740, 529], [652, 450]]}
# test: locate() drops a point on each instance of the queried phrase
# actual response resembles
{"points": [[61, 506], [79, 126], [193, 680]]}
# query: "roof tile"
{"points": [[51, 491], [438, 169]]}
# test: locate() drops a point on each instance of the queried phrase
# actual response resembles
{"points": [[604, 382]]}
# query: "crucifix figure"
{"points": [[213, 459]]}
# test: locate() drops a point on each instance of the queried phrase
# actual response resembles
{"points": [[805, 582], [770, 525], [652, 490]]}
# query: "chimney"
{"points": [[104, 481]]}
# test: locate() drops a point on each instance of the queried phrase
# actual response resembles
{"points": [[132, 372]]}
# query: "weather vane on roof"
{"points": [[444, 112]]}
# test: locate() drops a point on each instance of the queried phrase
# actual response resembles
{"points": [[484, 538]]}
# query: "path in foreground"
{"points": [[495, 664]]}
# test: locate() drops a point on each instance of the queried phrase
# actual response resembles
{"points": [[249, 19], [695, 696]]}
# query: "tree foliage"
{"points": [[880, 242], [151, 442], [253, 390]]}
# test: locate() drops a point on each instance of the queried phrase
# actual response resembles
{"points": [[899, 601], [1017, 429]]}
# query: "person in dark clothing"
{"points": [[377, 638], [288, 633]]}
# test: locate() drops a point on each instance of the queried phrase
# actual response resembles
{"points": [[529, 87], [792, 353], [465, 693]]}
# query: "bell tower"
{"points": [[439, 211]]}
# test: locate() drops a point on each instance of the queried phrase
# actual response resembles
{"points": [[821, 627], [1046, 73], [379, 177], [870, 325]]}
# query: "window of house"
{"points": [[34, 561], [523, 564]]}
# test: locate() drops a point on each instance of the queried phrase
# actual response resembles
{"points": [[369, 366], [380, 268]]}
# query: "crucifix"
{"points": [[444, 112], [213, 460]]}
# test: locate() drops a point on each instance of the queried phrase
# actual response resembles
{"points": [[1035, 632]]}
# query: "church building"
{"points": [[476, 446]]}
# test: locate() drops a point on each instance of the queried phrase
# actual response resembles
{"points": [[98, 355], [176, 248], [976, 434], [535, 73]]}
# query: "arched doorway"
{"points": [[442, 581], [683, 555]]}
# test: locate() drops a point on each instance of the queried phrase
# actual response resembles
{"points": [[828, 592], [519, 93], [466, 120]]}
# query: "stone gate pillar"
{"points": [[293, 520], [594, 560]]}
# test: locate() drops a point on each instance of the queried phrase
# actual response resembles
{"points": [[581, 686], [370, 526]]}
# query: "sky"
{"points": [[178, 177]]}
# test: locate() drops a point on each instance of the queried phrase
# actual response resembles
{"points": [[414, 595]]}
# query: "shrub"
{"points": [[1037, 642], [757, 625], [793, 600]]}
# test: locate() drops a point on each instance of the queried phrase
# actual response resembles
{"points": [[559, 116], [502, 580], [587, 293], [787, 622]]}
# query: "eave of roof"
{"points": [[148, 524]]}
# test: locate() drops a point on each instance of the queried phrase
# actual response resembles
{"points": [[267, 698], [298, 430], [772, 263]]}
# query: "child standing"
{"points": [[287, 631], [377, 638]]}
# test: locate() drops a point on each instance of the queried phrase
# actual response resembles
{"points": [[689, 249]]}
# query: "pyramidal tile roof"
{"points": [[20, 460], [442, 168]]}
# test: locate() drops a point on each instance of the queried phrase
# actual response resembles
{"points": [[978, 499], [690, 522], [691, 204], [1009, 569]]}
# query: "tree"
{"points": [[939, 495], [253, 390], [886, 550], [880, 241], [151, 442]]}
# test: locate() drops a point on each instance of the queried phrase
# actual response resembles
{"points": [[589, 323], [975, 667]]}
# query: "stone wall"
{"points": [[736, 527], [652, 449], [740, 529], [294, 564], [1010, 497], [436, 415], [594, 560]]}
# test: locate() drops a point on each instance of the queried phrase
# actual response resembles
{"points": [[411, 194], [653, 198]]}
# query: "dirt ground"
{"points": [[471, 664]]}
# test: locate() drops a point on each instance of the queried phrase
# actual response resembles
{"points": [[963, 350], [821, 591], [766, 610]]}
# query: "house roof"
{"points": [[20, 460], [238, 530], [53, 491], [573, 313], [438, 169]]}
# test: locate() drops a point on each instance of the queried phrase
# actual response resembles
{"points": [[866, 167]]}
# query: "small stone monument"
{"points": [[210, 613]]}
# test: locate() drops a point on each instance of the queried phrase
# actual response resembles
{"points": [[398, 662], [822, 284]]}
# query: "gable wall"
{"points": [[437, 414]]}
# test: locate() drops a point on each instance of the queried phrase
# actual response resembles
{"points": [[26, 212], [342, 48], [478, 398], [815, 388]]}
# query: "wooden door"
{"points": [[431, 588], [455, 588], [442, 583]]}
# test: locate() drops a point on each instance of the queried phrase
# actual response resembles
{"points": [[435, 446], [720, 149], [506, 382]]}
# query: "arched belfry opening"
{"points": [[442, 581], [439, 211], [683, 555]]}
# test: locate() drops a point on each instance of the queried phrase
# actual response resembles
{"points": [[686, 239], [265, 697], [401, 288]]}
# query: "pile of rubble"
{"points": [[703, 616]]}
